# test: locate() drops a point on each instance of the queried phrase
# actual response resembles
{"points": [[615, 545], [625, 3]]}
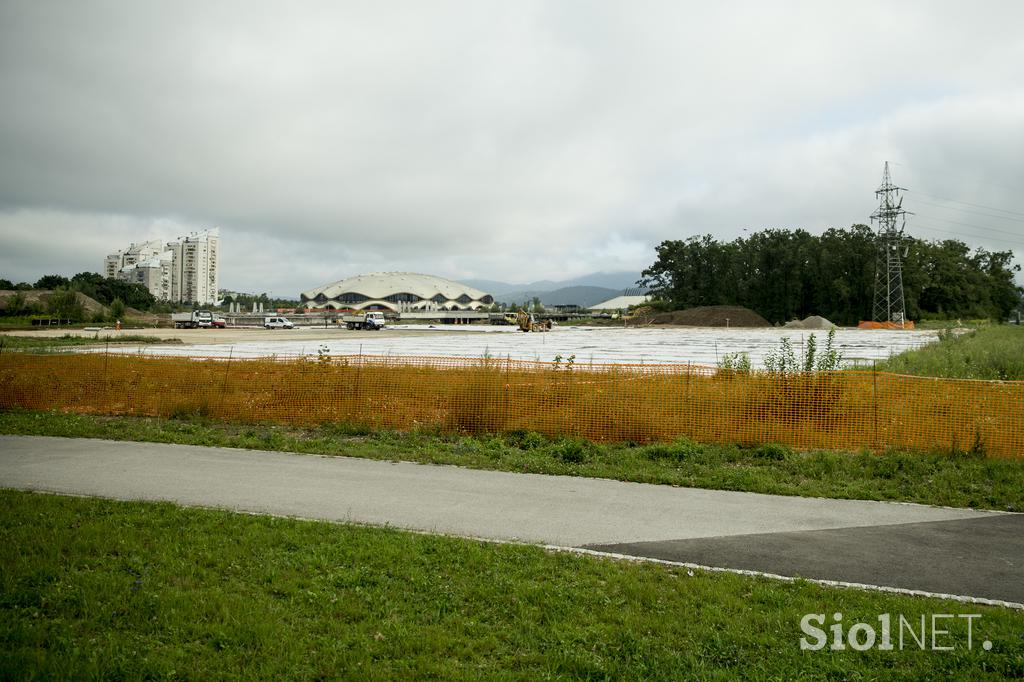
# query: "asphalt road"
{"points": [[950, 551]]}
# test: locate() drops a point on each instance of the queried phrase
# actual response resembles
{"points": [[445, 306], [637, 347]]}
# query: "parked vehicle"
{"points": [[277, 323], [371, 320], [193, 320]]}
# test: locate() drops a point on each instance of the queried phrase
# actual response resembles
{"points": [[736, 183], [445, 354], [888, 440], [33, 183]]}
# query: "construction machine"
{"points": [[528, 323]]}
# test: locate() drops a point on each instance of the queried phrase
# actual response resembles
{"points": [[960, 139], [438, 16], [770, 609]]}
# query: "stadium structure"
{"points": [[396, 292]]}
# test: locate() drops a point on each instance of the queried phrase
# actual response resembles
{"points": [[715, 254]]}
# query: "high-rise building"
{"points": [[181, 271], [135, 253], [194, 267]]}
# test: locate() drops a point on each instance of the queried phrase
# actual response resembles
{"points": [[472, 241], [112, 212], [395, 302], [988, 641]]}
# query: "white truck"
{"points": [[193, 320], [372, 320]]}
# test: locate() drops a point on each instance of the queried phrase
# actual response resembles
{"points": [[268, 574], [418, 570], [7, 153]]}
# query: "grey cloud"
{"points": [[517, 140]]}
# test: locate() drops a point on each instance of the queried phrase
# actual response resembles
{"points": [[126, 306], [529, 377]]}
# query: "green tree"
{"points": [[117, 309], [52, 282], [65, 304], [787, 274], [17, 304]]}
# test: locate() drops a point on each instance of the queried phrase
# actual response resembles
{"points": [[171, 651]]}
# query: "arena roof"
{"points": [[396, 290], [621, 302]]}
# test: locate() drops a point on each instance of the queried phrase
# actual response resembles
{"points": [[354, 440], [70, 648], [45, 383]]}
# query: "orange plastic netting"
{"points": [[870, 324], [641, 403]]}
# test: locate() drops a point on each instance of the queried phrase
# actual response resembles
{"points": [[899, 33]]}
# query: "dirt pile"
{"points": [[703, 316], [41, 297], [810, 322]]}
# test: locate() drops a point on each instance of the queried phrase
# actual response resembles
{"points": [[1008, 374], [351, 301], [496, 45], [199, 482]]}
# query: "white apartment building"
{"points": [[194, 267], [136, 253], [181, 271], [154, 274]]}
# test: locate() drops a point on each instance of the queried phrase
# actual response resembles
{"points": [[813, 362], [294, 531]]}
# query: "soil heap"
{"points": [[702, 316], [41, 297], [811, 322]]}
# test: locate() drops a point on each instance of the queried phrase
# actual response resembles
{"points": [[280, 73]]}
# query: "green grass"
{"points": [[103, 589], [37, 343], [992, 352], [952, 479]]}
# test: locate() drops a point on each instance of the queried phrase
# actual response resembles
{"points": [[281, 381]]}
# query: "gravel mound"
{"points": [[811, 322], [704, 316]]}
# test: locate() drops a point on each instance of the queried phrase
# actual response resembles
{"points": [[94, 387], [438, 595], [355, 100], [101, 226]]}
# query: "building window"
{"points": [[402, 298]]}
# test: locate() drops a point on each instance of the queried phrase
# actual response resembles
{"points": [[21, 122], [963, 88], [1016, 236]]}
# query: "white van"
{"points": [[277, 323]]}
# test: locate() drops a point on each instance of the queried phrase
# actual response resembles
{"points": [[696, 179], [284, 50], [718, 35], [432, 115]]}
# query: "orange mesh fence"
{"points": [[641, 403], [871, 324]]}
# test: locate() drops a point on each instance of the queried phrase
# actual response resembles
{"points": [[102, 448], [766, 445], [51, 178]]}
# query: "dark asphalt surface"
{"points": [[981, 557]]}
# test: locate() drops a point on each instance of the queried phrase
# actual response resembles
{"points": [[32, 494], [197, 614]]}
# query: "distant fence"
{"points": [[639, 403]]}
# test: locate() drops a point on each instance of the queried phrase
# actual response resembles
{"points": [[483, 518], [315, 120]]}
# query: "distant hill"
{"points": [[584, 296], [616, 281]]}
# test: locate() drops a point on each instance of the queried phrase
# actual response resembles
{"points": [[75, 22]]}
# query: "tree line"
{"points": [[790, 274]]}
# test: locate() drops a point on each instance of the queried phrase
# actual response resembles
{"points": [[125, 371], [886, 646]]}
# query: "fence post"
{"points": [[874, 400], [224, 385]]}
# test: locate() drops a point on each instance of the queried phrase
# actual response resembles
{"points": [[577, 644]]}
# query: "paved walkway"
{"points": [[951, 551]]}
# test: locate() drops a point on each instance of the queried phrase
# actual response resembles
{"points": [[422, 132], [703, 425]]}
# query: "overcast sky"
{"points": [[504, 140]]}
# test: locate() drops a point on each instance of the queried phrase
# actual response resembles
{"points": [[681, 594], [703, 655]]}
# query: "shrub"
{"points": [[735, 362], [65, 304], [680, 450], [117, 309], [525, 440], [573, 451], [774, 452]]}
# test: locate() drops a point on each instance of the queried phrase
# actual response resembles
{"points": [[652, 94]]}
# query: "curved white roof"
{"points": [[621, 302], [379, 285]]}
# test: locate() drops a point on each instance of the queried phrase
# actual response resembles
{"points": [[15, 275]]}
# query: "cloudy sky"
{"points": [[502, 140]]}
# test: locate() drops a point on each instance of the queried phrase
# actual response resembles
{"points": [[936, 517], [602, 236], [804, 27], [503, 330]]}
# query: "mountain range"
{"points": [[584, 291]]}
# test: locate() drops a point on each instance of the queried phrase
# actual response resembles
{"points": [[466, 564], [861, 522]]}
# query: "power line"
{"points": [[979, 227], [967, 210], [967, 203], [973, 236]]}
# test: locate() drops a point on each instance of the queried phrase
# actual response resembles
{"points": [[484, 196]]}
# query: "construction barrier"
{"points": [[871, 324], [638, 403]]}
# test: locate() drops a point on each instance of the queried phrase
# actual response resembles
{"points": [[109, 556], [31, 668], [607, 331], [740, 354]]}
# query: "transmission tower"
{"points": [[891, 217]]}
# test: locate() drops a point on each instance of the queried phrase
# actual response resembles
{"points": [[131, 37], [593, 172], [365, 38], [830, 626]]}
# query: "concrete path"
{"points": [[952, 551]]}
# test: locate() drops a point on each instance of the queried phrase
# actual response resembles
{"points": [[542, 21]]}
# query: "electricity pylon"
{"points": [[891, 217]]}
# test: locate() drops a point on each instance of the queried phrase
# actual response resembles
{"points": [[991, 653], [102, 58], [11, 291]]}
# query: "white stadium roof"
{"points": [[396, 289], [621, 302]]}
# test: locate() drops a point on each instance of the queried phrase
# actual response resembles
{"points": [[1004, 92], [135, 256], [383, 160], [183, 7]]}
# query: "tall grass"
{"points": [[993, 352], [835, 410]]}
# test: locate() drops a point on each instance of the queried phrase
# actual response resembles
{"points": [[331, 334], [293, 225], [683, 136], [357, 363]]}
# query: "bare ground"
{"points": [[220, 336]]}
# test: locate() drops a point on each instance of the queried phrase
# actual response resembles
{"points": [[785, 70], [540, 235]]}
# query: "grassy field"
{"points": [[103, 589], [960, 480], [43, 343], [991, 352]]}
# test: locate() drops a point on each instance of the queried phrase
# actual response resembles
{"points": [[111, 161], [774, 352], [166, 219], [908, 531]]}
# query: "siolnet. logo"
{"points": [[927, 633]]}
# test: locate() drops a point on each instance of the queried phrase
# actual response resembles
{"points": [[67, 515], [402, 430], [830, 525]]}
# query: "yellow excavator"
{"points": [[528, 323]]}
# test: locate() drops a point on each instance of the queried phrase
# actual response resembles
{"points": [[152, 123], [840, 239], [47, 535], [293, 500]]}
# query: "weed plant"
{"points": [[640, 404]]}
